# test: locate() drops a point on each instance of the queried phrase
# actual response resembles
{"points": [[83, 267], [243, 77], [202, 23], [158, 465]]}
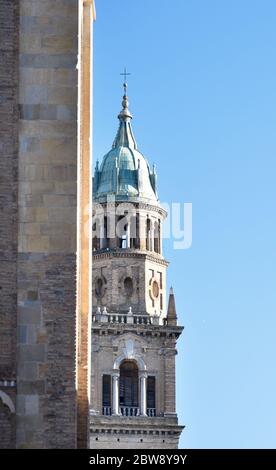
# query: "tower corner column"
{"points": [[115, 393], [143, 393]]}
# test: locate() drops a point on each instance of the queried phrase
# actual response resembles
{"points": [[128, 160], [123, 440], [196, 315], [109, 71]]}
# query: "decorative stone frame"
{"points": [[153, 297], [121, 286], [104, 288], [7, 401]]}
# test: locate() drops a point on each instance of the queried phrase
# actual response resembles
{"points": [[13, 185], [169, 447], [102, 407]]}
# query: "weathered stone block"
{"points": [[66, 187], [34, 243], [30, 314], [40, 61], [33, 94], [28, 214], [20, 404], [31, 334], [49, 8], [29, 76], [61, 245], [66, 112], [35, 352], [28, 371], [62, 215], [22, 334], [63, 44], [30, 228], [28, 111], [30, 43], [29, 144], [62, 95], [45, 187], [64, 77], [31, 387], [58, 150], [31, 405], [59, 200]]}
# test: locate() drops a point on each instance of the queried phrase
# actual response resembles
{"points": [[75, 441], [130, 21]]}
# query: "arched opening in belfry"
{"points": [[156, 237], [134, 231], [148, 234], [95, 239], [123, 232], [129, 388], [105, 233]]}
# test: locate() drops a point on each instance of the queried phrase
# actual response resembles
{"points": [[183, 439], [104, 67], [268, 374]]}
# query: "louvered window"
{"points": [[106, 390], [128, 384], [151, 392]]}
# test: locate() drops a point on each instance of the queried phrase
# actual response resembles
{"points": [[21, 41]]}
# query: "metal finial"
{"points": [[125, 74], [125, 114]]}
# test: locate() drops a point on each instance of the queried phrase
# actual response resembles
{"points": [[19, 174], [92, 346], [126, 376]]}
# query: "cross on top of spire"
{"points": [[125, 74]]}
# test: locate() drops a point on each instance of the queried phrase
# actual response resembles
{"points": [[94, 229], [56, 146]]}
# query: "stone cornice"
{"points": [[140, 330], [100, 423], [129, 253], [138, 205]]}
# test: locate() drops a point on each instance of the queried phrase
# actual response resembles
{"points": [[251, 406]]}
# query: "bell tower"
{"points": [[133, 338]]}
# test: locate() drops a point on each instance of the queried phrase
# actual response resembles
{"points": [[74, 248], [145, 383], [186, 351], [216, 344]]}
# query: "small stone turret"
{"points": [[171, 314]]}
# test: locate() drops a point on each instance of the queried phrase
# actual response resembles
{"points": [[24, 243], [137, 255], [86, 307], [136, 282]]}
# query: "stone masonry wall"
{"points": [[114, 269], [46, 400], [9, 27]]}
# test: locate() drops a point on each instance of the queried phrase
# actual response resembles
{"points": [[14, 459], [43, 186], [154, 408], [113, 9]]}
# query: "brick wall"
{"points": [[7, 427], [9, 23], [46, 363]]}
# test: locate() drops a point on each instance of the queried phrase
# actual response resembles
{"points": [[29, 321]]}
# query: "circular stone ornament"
{"points": [[155, 289]]}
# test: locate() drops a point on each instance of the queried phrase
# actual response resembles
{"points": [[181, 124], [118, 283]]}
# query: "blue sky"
{"points": [[203, 96]]}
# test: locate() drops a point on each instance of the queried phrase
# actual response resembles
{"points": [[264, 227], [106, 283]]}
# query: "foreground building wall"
{"points": [[46, 394], [42, 198]]}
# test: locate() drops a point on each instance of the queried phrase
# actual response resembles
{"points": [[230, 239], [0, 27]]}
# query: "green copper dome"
{"points": [[124, 172]]}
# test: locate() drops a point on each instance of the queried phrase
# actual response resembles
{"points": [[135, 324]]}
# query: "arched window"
{"points": [[129, 388], [151, 399], [106, 394]]}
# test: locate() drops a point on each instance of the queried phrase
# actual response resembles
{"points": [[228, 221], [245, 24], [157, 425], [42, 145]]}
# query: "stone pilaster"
{"points": [[169, 384]]}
